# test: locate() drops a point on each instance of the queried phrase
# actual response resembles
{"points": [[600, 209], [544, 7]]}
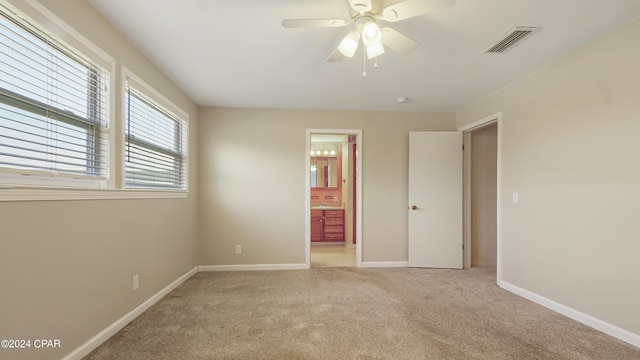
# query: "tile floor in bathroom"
{"points": [[332, 256]]}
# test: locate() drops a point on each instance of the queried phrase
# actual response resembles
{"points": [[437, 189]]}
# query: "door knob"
{"points": [[414, 207]]}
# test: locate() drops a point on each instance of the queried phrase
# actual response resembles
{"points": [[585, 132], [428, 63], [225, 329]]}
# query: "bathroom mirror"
{"points": [[324, 172]]}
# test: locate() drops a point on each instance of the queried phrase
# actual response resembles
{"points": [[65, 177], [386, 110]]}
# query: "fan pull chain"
{"points": [[364, 63]]}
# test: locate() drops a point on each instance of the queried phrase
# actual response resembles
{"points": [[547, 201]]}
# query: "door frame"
{"points": [[358, 202], [467, 130]]}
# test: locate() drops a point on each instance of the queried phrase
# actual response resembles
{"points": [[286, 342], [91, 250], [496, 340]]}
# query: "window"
{"points": [[53, 110], [58, 121], [155, 144]]}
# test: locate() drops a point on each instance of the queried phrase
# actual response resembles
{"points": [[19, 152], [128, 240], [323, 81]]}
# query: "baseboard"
{"points": [[609, 329], [112, 329], [384, 264], [253, 267]]}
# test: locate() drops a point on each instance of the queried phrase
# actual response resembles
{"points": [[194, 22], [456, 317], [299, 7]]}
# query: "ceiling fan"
{"points": [[365, 14]]}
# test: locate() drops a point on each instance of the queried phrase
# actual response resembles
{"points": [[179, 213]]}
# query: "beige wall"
{"points": [[267, 216], [66, 267], [570, 148], [484, 150]]}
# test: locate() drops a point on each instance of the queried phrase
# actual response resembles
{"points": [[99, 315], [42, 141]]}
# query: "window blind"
{"points": [[53, 106], [155, 145]]}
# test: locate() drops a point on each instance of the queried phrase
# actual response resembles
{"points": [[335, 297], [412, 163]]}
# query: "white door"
{"points": [[435, 199]]}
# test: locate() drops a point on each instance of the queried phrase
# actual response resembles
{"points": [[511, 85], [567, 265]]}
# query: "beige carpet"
{"points": [[351, 313]]}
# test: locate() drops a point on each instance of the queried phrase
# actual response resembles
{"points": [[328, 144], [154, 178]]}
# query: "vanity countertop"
{"points": [[326, 207]]}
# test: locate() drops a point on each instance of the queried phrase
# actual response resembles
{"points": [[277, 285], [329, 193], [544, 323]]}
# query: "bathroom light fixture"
{"points": [[325, 149]]}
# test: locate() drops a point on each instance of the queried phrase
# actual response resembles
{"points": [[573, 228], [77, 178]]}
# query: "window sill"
{"points": [[51, 194]]}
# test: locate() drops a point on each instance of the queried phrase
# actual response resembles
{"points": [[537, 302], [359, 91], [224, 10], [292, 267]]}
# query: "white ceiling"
{"points": [[235, 53]]}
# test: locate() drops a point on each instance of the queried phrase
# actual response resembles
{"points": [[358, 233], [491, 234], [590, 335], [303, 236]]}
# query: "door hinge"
{"points": [[462, 246], [462, 147]]}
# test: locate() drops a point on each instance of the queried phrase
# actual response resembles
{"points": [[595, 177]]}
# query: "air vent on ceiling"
{"points": [[511, 39]]}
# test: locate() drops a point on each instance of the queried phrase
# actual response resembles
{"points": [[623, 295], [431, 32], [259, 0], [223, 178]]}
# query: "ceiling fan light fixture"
{"points": [[364, 14], [374, 50], [371, 33], [349, 44]]}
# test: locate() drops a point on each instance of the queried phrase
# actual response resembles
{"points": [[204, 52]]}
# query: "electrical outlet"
{"points": [[238, 249], [515, 198], [136, 282]]}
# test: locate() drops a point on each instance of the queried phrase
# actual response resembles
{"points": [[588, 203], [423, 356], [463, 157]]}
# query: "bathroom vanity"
{"points": [[327, 224]]}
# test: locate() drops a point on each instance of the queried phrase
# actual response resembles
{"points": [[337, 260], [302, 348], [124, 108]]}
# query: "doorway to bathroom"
{"points": [[333, 198]]}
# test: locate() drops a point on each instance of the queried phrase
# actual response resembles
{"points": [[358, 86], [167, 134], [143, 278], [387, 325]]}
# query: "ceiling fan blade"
{"points": [[410, 8], [313, 23], [336, 55], [361, 6], [397, 42]]}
